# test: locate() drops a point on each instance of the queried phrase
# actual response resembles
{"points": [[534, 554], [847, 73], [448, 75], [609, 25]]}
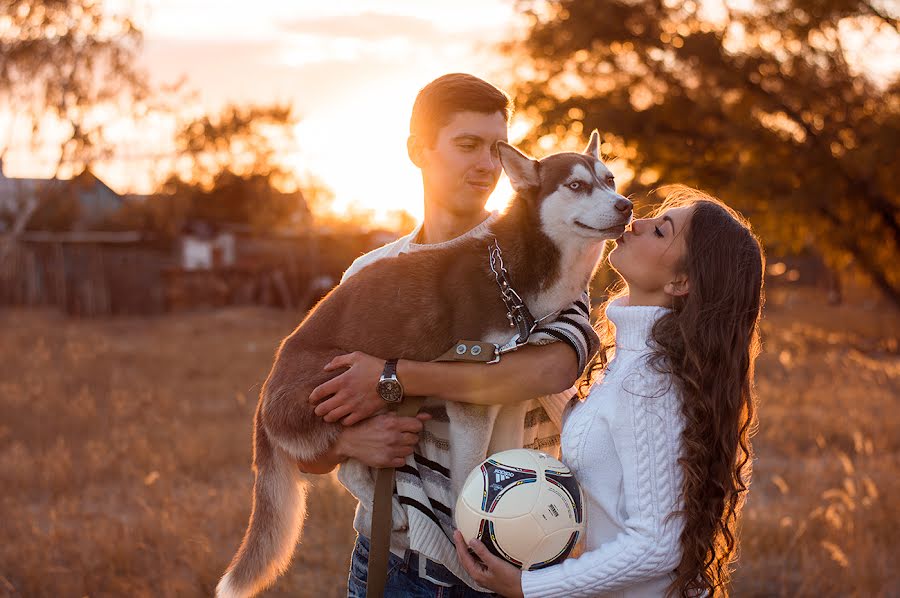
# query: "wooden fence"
{"points": [[102, 274], [85, 279]]}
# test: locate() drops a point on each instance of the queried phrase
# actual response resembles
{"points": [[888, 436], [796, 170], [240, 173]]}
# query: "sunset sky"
{"points": [[351, 68]]}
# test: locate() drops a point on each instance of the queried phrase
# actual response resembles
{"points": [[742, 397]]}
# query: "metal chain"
{"points": [[511, 298], [516, 310]]}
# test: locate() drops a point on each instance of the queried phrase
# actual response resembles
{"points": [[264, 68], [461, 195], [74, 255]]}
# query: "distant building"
{"points": [[203, 247], [94, 199]]}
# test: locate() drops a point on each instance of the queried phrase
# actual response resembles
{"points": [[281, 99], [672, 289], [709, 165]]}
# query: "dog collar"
{"points": [[517, 312]]}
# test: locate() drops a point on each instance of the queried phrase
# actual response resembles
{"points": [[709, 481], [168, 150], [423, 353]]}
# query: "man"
{"points": [[456, 121]]}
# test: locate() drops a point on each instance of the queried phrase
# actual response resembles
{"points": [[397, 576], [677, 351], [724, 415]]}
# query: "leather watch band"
{"points": [[390, 368]]}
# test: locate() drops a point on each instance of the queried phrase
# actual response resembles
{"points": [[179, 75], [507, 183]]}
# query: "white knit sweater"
{"points": [[623, 443]]}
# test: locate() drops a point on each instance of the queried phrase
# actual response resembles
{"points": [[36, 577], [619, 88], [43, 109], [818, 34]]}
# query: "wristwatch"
{"points": [[389, 387]]}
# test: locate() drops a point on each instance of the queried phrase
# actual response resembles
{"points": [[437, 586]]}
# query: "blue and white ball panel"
{"points": [[512, 539], [501, 480], [565, 484], [559, 544]]}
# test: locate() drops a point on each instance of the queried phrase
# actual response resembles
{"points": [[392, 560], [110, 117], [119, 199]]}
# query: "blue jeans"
{"points": [[403, 581]]}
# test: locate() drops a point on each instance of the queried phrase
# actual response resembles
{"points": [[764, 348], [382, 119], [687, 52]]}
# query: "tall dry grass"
{"points": [[125, 456], [125, 453], [822, 514]]}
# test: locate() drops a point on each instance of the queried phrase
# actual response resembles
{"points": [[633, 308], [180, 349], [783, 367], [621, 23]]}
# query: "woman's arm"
{"points": [[648, 440], [647, 548], [530, 372]]}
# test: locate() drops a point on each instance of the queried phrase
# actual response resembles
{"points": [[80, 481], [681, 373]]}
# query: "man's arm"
{"points": [[381, 441], [343, 445], [528, 373]]}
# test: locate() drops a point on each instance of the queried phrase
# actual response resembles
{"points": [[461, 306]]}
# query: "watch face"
{"points": [[390, 390]]}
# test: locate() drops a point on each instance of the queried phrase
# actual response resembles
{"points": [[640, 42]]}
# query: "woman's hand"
{"points": [[491, 572], [351, 395]]}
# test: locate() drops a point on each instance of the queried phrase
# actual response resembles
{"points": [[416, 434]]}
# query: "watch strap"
{"points": [[390, 368]]}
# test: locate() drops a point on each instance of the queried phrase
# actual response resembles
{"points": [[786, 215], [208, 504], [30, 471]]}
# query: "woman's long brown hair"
{"points": [[708, 343]]}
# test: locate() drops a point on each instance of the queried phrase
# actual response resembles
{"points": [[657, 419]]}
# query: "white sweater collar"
{"points": [[633, 323], [478, 231]]}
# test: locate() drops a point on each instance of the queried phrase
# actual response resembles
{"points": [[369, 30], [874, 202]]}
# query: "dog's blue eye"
{"points": [[657, 231], [574, 186]]}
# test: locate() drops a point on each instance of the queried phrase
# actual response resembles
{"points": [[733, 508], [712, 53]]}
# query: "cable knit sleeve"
{"points": [[647, 438]]}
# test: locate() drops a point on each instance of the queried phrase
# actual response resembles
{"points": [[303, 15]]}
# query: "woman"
{"points": [[661, 443]]}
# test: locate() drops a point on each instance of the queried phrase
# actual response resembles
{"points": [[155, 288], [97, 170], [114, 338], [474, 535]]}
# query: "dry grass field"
{"points": [[125, 454]]}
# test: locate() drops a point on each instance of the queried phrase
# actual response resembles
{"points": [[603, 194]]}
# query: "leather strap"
{"points": [[380, 542], [390, 368]]}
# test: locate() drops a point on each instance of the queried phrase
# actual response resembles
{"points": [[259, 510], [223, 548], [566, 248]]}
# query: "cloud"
{"points": [[366, 26], [373, 37], [251, 71]]}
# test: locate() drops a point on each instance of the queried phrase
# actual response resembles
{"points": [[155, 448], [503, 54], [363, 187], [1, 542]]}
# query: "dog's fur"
{"points": [[416, 306]]}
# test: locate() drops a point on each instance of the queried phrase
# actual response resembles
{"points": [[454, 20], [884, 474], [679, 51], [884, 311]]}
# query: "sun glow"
{"points": [[357, 146]]}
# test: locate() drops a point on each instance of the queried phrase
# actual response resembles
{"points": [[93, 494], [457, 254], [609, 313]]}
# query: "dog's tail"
{"points": [[276, 520]]}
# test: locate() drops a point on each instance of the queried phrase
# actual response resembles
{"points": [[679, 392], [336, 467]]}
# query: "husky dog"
{"points": [[416, 306]]}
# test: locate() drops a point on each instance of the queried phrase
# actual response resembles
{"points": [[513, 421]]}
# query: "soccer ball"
{"points": [[524, 505]]}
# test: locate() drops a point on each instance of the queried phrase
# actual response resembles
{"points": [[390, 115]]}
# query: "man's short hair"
{"points": [[438, 101]]}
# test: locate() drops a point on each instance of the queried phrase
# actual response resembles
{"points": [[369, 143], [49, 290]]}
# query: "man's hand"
{"points": [[382, 441], [351, 396], [489, 571]]}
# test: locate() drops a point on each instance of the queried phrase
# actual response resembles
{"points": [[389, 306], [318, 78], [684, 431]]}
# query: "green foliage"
{"points": [[759, 106]]}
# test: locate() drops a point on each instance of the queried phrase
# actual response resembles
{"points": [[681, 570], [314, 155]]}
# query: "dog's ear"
{"points": [[521, 170], [593, 148]]}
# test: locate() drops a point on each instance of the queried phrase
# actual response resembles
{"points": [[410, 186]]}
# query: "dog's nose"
{"points": [[623, 205]]}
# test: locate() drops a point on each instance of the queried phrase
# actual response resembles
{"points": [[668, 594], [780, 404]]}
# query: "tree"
{"points": [[250, 199], [758, 105], [227, 171], [63, 62], [241, 139]]}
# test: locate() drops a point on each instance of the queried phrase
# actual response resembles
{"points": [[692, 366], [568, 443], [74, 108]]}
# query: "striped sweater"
{"points": [[459, 436]]}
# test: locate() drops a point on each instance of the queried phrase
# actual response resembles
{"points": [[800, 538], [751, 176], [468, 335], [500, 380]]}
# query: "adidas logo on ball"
{"points": [[500, 475]]}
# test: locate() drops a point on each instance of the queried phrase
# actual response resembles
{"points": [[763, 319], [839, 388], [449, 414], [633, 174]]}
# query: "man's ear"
{"points": [[678, 287], [414, 149], [593, 148], [521, 170]]}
